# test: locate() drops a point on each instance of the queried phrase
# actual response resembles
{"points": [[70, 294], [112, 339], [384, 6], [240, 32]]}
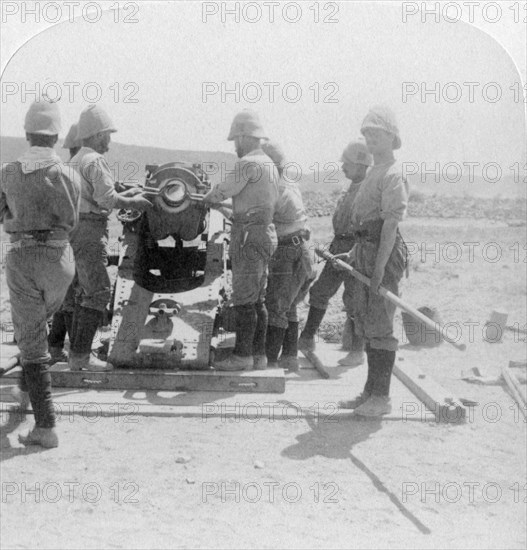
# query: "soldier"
{"points": [[90, 239], [39, 206], [253, 186], [72, 141], [291, 269], [62, 319], [380, 253], [356, 159]]}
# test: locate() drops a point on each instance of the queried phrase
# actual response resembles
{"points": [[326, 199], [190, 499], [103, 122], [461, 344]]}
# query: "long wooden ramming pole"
{"points": [[390, 296]]}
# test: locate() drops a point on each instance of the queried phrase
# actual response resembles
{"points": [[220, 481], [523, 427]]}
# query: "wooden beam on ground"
{"points": [[515, 389], [255, 381], [317, 363], [429, 392]]}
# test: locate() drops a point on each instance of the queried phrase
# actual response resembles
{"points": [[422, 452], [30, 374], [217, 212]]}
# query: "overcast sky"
{"points": [[170, 52]]}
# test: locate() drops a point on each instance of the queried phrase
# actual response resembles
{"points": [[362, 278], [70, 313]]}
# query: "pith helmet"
{"points": [[94, 119], [71, 141], [357, 152], [43, 117], [246, 123], [383, 117]]}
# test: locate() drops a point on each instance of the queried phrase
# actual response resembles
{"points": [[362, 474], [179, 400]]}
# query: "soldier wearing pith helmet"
{"points": [[253, 186], [39, 207], [356, 159], [90, 239], [380, 253]]}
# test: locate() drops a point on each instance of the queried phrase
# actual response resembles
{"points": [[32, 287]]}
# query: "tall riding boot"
{"points": [[38, 381], [307, 338], [241, 358], [379, 403], [56, 337], [20, 393], [289, 359], [386, 363], [273, 343], [86, 324], [262, 317], [68, 321], [370, 381]]}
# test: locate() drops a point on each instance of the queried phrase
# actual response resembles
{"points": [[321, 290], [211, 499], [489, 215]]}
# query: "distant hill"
{"points": [[128, 163]]}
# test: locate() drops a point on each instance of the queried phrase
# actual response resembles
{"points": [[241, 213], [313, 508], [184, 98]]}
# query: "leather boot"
{"points": [[363, 397], [260, 334], [38, 381], [307, 338], [384, 377], [379, 402], [241, 358], [273, 344], [57, 332], [80, 357], [289, 359]]}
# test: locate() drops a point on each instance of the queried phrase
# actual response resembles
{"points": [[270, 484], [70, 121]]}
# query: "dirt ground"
{"points": [[216, 482]]}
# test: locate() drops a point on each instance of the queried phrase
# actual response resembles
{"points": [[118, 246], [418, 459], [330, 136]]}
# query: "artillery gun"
{"points": [[170, 307]]}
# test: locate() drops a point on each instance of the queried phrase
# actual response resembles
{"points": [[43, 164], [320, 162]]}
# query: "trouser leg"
{"points": [[314, 319]]}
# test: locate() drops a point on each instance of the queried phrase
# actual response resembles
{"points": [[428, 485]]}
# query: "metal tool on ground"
{"points": [[390, 296], [11, 363], [317, 363]]}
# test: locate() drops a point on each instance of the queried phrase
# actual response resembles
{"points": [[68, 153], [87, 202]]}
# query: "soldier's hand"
{"points": [[343, 257], [132, 192], [140, 202], [376, 279]]}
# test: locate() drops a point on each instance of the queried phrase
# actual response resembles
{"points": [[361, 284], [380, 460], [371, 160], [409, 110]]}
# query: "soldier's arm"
{"points": [[104, 193], [233, 183], [394, 202]]}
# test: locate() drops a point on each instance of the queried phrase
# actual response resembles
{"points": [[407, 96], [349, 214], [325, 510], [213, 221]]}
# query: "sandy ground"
{"points": [[179, 480]]}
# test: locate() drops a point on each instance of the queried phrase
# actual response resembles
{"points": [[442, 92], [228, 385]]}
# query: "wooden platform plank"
{"points": [[267, 381], [429, 392]]}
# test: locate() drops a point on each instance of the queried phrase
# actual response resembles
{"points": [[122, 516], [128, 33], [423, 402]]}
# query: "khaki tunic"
{"points": [[383, 195]]}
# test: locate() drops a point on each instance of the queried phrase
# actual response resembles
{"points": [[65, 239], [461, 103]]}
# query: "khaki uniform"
{"points": [[253, 186], [291, 268], [39, 209], [383, 195], [330, 279], [90, 239], [39, 204]]}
